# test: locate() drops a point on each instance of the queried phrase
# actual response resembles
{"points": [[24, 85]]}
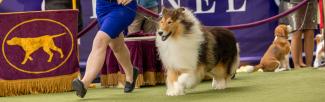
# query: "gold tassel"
{"points": [[40, 85], [109, 80], [118, 79], [161, 77], [150, 78]]}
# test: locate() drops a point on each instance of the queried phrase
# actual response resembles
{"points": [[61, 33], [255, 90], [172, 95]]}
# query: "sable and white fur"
{"points": [[320, 54], [276, 58], [189, 52]]}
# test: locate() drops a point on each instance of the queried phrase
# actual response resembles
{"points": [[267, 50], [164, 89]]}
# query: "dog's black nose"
{"points": [[160, 33]]}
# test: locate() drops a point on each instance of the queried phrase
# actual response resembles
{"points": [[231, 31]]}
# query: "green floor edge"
{"points": [[305, 85]]}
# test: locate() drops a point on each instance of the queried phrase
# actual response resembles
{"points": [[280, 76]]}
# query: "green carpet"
{"points": [[305, 85]]}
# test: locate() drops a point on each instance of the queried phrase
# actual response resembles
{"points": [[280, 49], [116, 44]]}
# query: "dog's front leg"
{"points": [[282, 66], [172, 76], [287, 62], [27, 56], [186, 80]]}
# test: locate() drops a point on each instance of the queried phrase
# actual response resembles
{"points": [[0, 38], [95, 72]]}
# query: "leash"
{"points": [[305, 16], [149, 18]]}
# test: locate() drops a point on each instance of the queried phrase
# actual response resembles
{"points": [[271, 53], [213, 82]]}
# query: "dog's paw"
{"points": [[219, 85], [280, 69], [175, 93], [177, 90], [23, 62]]}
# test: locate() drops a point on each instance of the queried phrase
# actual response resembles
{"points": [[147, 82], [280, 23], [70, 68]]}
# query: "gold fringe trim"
{"points": [[118, 79], [154, 78], [109, 80], [40, 85]]}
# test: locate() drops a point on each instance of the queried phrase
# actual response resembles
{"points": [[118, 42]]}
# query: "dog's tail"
{"points": [[249, 68], [58, 35], [235, 63]]}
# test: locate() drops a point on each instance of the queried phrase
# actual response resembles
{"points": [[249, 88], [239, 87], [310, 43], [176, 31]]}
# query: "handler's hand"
{"points": [[123, 2]]}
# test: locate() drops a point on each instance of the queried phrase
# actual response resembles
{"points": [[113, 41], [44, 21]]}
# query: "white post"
{"points": [[173, 3], [199, 5], [231, 6], [94, 9]]}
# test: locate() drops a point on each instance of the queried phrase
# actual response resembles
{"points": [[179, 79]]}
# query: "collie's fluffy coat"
{"points": [[189, 52]]}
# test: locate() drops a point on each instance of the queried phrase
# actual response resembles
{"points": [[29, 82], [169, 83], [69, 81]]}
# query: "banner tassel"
{"points": [[34, 86]]}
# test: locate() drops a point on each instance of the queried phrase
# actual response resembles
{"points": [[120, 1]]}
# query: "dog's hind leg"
{"points": [[49, 52], [278, 65], [219, 84], [235, 65], [220, 77], [287, 64], [58, 50]]}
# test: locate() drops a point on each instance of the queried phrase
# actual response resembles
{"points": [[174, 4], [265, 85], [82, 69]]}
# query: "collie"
{"points": [[189, 52]]}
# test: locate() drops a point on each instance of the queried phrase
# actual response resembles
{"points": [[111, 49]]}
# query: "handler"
{"points": [[114, 16]]}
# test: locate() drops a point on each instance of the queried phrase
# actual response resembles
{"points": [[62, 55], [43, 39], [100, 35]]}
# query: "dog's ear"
{"points": [[180, 10], [178, 13], [165, 11]]}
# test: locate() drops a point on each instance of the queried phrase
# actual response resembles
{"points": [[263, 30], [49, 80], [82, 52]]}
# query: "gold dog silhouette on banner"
{"points": [[39, 52], [30, 45]]}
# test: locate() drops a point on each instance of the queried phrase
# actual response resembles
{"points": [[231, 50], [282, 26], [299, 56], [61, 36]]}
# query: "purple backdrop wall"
{"points": [[253, 41]]}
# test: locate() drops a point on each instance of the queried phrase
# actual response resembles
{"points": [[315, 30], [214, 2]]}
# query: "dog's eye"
{"points": [[169, 22]]}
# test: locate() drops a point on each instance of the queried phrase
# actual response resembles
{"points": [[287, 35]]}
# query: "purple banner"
{"points": [[38, 44]]}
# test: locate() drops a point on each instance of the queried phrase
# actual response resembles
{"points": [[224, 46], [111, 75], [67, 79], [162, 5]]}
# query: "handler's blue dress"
{"points": [[114, 18]]}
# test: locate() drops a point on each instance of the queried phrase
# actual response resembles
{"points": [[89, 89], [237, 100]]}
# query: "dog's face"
{"points": [[319, 38], [171, 23], [282, 31], [13, 41]]}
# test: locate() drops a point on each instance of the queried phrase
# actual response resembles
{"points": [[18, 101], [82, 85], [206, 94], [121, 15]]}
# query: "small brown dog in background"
{"points": [[276, 58]]}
